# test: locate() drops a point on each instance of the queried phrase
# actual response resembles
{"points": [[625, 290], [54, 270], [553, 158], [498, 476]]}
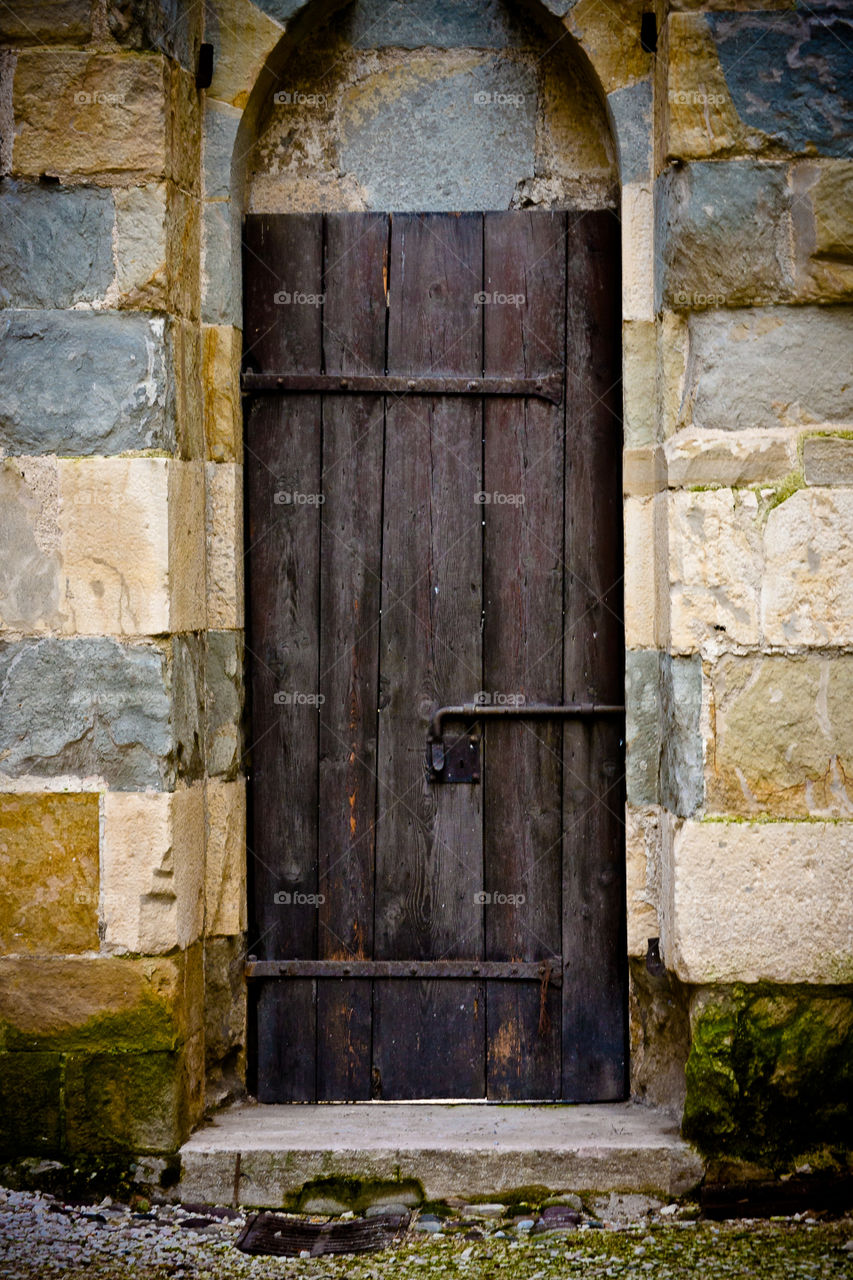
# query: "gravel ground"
{"points": [[42, 1237]]}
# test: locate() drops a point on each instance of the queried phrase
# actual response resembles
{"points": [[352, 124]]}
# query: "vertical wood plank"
{"points": [[282, 449], [354, 342], [524, 335], [594, 995], [428, 1036]]}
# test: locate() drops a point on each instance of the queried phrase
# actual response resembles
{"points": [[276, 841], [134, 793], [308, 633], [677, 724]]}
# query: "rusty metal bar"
{"points": [[524, 710], [524, 970], [548, 387]]}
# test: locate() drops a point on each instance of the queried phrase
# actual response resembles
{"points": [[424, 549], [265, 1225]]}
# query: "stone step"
{"points": [[265, 1155]]}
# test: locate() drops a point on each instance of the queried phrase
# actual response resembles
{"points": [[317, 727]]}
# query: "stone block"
{"points": [[220, 269], [83, 114], [55, 244], [46, 22], [701, 119], [823, 229], [732, 459], [807, 105], [610, 38], [631, 114], [638, 252], [769, 367], [724, 233], [413, 142], [642, 726], [224, 545], [639, 372], [85, 708], [140, 249], [49, 849], [184, 142], [30, 1104], [223, 702], [828, 460], [225, 860], [715, 567], [682, 757], [115, 545], [643, 471], [160, 26], [189, 416], [30, 560], [442, 24], [187, 690], [758, 901], [783, 737], [82, 383], [186, 534], [642, 868], [133, 1102], [153, 870], [244, 37], [223, 417], [768, 1076], [108, 1004], [646, 612], [225, 1016], [221, 124], [807, 590], [673, 343]]}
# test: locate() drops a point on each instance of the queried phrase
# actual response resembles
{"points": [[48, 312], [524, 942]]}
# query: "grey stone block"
{"points": [[789, 74], [769, 366], [30, 568], [172, 27], [188, 662], [682, 782], [463, 142], [642, 726], [46, 22], [221, 123], [88, 707], [220, 276], [223, 702], [724, 234], [828, 460], [55, 244], [442, 24], [82, 383], [631, 109]]}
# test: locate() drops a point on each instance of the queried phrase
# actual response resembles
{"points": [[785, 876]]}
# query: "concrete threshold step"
{"points": [[264, 1155]]}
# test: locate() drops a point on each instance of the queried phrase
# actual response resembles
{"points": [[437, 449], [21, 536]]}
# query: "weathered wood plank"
{"points": [[525, 259], [351, 542], [282, 451], [594, 999], [429, 1039]]}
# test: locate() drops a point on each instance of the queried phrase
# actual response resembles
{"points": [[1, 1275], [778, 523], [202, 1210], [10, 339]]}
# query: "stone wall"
{"points": [[122, 824], [122, 857]]}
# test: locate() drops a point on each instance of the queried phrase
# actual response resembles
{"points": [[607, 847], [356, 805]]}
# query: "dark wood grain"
{"points": [[594, 997], [283, 441], [428, 1040], [525, 259], [351, 540]]}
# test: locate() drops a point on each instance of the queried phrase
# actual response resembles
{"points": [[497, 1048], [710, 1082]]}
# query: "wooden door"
{"points": [[433, 451]]}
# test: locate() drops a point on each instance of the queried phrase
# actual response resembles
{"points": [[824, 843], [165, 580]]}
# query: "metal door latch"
{"points": [[458, 761]]}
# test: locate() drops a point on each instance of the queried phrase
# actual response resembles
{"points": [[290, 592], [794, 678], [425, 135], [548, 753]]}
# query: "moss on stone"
{"points": [[770, 1072]]}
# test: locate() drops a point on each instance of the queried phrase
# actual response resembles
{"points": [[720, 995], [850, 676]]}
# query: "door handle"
{"points": [[461, 761]]}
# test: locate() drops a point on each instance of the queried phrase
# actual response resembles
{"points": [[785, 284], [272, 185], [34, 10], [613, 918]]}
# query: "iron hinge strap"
{"points": [[550, 969], [547, 387]]}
